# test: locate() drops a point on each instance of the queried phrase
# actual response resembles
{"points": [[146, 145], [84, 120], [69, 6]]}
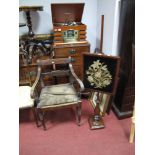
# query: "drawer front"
{"points": [[76, 54], [76, 60], [70, 51]]}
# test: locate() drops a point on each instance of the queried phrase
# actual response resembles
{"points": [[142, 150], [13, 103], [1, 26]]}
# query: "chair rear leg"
{"points": [[42, 119], [78, 111], [35, 116]]}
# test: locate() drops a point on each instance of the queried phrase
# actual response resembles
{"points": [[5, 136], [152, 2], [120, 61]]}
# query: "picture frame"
{"points": [[100, 77], [105, 99], [100, 72]]}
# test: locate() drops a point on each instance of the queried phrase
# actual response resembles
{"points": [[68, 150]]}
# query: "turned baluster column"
{"points": [[29, 24]]}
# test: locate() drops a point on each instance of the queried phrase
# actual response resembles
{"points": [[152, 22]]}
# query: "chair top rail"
{"points": [[57, 73], [54, 61]]}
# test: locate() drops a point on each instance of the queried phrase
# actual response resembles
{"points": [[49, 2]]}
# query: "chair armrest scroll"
{"points": [[76, 77], [33, 88]]}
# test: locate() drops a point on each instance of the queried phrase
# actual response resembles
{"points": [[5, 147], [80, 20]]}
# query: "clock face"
{"points": [[70, 33]]}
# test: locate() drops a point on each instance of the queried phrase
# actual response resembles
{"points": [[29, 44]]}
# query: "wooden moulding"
{"points": [[31, 8], [76, 27], [37, 36], [60, 39], [72, 44], [54, 61]]}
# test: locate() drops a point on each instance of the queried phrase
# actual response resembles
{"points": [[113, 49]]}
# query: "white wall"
{"points": [[116, 28], [110, 10], [42, 20]]}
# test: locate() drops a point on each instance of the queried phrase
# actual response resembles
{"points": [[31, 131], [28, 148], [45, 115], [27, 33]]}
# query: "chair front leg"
{"points": [[78, 111], [35, 116], [41, 117]]}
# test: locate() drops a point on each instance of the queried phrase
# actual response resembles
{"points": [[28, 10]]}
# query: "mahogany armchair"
{"points": [[54, 96]]}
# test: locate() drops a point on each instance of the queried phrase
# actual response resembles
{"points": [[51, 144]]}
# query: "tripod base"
{"points": [[96, 122]]}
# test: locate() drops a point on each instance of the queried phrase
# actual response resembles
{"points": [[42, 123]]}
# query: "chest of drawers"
{"points": [[75, 51]]}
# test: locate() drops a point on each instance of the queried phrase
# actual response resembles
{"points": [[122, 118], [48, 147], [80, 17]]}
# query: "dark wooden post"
{"points": [[102, 31], [29, 24]]}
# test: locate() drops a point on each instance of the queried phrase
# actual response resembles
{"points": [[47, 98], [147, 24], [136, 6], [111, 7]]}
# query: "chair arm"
{"points": [[33, 88], [76, 77]]}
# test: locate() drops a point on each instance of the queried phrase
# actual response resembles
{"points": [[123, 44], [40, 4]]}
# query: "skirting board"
{"points": [[119, 114]]}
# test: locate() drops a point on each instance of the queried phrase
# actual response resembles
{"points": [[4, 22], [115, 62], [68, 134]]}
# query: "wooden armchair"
{"points": [[54, 96]]}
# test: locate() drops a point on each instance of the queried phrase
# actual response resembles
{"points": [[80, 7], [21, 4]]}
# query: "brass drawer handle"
{"points": [[72, 51], [73, 60]]}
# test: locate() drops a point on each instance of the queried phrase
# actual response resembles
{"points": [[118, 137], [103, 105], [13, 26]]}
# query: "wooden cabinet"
{"points": [[29, 71], [75, 51], [125, 95]]}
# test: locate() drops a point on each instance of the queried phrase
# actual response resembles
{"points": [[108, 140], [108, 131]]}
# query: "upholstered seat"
{"points": [[25, 100], [57, 94]]}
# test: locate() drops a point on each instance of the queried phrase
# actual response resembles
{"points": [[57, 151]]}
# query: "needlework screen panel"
{"points": [[100, 72]]}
